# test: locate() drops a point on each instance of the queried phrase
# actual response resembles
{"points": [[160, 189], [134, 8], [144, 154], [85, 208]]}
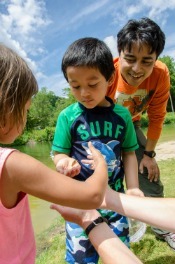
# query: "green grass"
{"points": [[51, 243]]}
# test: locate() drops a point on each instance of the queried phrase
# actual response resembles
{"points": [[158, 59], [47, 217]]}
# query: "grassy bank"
{"points": [[51, 244]]}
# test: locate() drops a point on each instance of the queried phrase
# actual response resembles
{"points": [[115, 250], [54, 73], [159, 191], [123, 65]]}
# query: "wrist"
{"points": [[94, 223], [150, 153], [88, 217]]}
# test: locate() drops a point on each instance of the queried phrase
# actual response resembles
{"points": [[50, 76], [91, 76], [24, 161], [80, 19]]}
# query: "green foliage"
{"points": [[46, 134], [43, 135], [144, 120], [42, 109], [171, 67], [169, 119], [22, 140], [62, 103]]}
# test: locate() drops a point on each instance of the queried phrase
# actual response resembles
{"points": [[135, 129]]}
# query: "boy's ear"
{"points": [[111, 79]]}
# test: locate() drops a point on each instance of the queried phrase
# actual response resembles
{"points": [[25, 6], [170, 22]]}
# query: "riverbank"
{"points": [[165, 150]]}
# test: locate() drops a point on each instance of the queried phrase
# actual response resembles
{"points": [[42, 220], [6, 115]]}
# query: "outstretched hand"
{"points": [[78, 216], [68, 166]]}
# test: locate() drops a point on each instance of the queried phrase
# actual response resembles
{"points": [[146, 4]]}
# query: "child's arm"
{"points": [[66, 165], [131, 173], [22, 173]]}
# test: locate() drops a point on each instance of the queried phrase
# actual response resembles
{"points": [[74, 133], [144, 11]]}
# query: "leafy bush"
{"points": [[43, 135], [169, 119]]}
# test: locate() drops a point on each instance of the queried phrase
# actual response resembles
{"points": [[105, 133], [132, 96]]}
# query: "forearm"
{"points": [[106, 242], [131, 170], [100, 176], [150, 144], [153, 211], [110, 248]]}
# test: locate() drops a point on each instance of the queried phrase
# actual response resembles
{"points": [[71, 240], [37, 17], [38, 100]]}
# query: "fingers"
{"points": [[68, 166], [57, 207], [141, 168], [93, 149], [153, 173], [152, 167]]}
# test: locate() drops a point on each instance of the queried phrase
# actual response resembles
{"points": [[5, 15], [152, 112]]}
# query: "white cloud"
{"points": [[160, 5], [54, 82], [24, 17], [20, 23], [22, 20], [133, 9], [88, 10], [84, 14], [111, 41], [170, 46]]}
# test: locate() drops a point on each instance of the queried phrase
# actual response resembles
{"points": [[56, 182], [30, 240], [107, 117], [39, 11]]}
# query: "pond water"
{"points": [[42, 216]]}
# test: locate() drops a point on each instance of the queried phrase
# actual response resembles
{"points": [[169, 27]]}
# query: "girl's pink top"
{"points": [[17, 242]]}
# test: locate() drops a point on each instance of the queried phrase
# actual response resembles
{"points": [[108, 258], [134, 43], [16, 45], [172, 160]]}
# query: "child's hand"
{"points": [[135, 192], [68, 166], [94, 158]]}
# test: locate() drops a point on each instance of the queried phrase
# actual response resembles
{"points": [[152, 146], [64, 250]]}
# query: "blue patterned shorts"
{"points": [[79, 249]]}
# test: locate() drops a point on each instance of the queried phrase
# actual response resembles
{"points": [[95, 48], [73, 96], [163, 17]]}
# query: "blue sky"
{"points": [[41, 30]]}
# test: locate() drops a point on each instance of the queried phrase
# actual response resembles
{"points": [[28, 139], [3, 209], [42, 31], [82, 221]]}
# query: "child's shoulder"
{"points": [[123, 112], [71, 111], [121, 109], [70, 108], [4, 153]]}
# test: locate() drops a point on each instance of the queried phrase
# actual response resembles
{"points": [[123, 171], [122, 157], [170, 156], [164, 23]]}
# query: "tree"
{"points": [[62, 103], [171, 66], [42, 109]]}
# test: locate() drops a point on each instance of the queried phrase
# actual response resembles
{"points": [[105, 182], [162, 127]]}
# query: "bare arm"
{"points": [[108, 245], [22, 173], [131, 173], [159, 212]]}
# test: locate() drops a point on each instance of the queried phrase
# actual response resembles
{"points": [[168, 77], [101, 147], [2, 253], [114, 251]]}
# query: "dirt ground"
{"points": [[165, 150]]}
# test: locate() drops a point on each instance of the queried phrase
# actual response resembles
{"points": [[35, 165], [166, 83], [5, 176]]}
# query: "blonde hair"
{"points": [[17, 86]]}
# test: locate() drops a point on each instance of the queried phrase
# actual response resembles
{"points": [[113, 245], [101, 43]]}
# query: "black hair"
{"points": [[143, 31], [90, 52]]}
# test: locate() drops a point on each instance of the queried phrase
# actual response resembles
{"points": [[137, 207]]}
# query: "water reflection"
{"points": [[42, 215]]}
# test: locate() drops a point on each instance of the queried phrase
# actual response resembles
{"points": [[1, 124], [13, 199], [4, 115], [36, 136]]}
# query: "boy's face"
{"points": [[88, 86], [136, 65]]}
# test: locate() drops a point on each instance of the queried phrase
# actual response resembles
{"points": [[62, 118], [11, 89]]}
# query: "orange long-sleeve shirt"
{"points": [[151, 95]]}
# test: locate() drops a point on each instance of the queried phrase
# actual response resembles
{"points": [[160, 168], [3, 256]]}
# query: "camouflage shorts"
{"points": [[79, 249]]}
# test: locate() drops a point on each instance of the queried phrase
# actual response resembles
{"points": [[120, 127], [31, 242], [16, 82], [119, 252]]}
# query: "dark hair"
{"points": [[143, 31], [90, 52], [17, 86]]}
